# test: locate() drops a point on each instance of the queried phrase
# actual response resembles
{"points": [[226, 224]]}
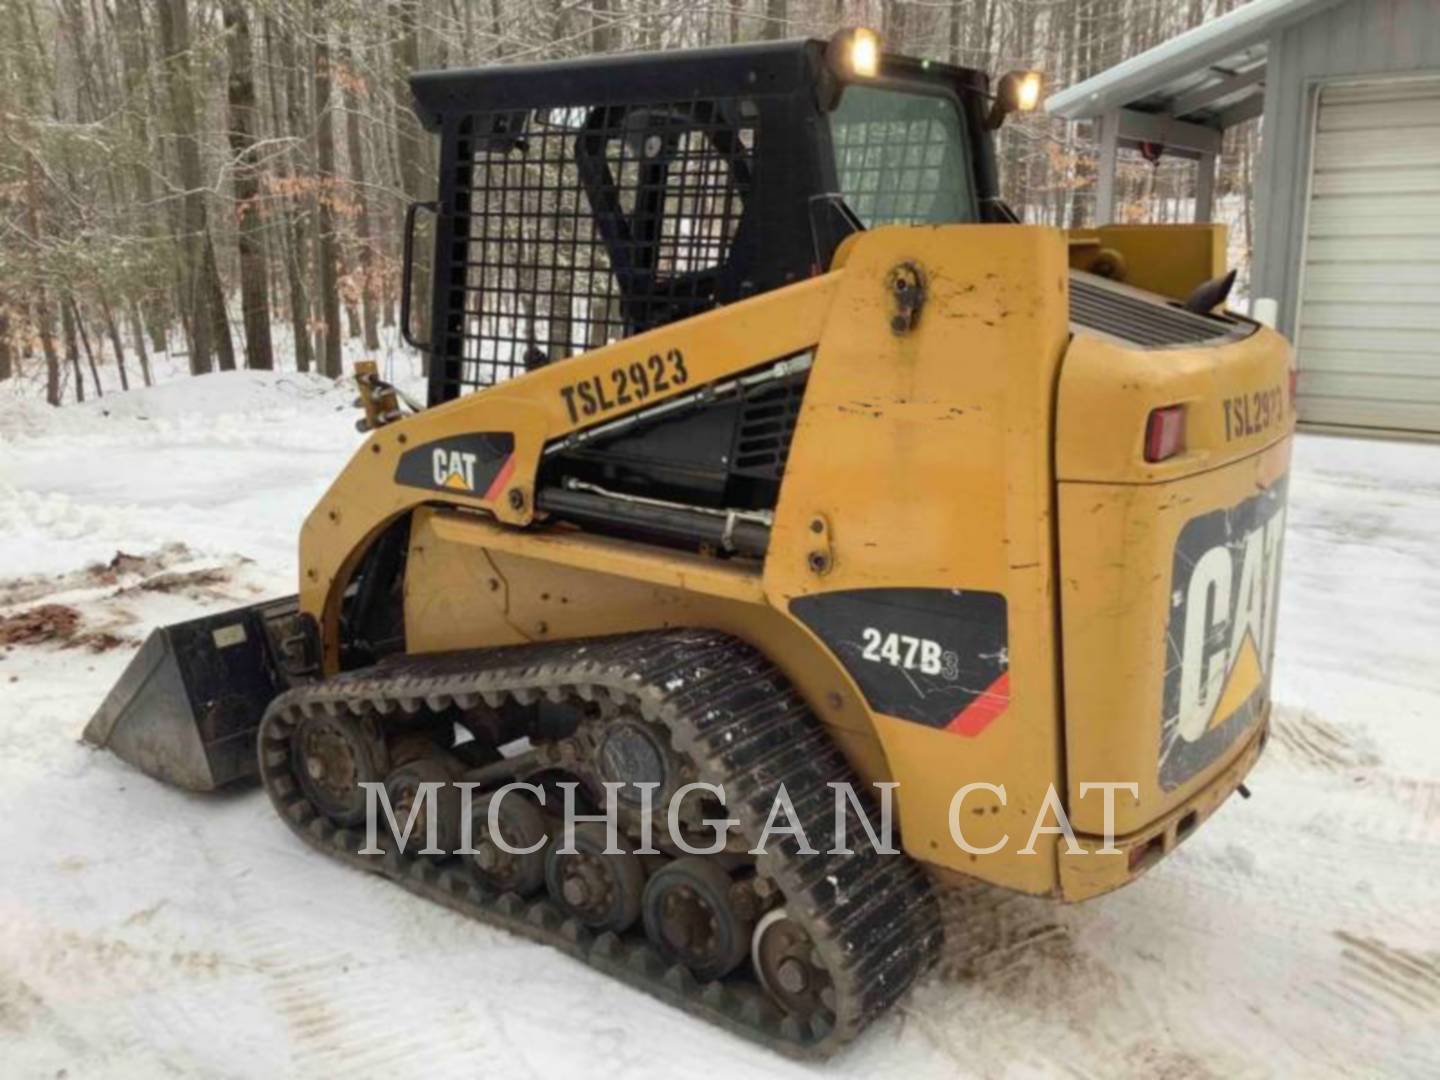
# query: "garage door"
{"points": [[1369, 327]]}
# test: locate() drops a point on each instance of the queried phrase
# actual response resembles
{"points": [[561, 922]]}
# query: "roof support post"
{"points": [[1105, 168], [1205, 188]]}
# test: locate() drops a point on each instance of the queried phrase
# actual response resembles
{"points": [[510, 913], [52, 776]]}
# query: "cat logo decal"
{"points": [[1225, 587], [478, 465]]}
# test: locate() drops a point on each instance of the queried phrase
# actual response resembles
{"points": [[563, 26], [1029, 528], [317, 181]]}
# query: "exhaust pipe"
{"points": [[187, 707]]}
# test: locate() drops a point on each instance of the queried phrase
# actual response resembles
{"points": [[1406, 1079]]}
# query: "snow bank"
{"points": [[22, 398], [230, 462]]}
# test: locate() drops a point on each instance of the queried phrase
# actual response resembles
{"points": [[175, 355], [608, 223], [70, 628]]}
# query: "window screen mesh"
{"points": [[901, 158], [578, 226]]}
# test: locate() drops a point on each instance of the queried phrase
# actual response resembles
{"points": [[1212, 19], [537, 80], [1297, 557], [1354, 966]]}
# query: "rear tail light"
{"points": [[1294, 380], [1165, 433]]}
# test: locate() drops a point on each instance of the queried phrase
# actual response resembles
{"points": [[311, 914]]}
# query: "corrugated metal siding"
{"points": [[1361, 38], [1369, 324]]}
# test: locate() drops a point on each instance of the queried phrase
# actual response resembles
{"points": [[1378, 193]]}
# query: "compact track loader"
{"points": [[764, 449]]}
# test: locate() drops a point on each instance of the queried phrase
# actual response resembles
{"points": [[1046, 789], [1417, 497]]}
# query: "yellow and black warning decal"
{"points": [[477, 464], [937, 657], [1225, 586]]}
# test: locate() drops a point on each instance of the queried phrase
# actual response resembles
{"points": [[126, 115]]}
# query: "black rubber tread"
{"points": [[873, 918]]}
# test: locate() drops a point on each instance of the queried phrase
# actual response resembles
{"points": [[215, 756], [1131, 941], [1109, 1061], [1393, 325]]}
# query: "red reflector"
{"points": [[1165, 433]]}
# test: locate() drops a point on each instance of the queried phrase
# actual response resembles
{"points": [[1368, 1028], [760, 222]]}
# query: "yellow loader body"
{"points": [[969, 463]]}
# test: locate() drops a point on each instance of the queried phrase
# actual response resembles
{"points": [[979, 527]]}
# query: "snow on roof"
{"points": [[1202, 75]]}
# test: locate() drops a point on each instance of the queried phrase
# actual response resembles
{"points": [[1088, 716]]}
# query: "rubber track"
{"points": [[873, 918]]}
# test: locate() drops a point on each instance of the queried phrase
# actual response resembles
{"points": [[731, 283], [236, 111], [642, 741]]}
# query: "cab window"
{"points": [[902, 158]]}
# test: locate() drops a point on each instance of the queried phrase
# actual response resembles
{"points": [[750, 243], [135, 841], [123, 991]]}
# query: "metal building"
{"points": [[1347, 239]]}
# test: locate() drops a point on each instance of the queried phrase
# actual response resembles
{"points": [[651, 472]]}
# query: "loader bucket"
{"points": [[186, 709]]}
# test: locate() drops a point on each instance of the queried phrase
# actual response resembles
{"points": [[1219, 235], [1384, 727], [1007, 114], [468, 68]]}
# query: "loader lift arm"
{"points": [[534, 411]]}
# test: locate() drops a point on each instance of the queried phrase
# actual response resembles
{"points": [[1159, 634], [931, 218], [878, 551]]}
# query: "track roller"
{"points": [[787, 966], [403, 786], [690, 918], [602, 891], [332, 754], [522, 826]]}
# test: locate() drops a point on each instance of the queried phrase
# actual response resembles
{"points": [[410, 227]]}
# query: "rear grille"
{"points": [[1141, 318]]}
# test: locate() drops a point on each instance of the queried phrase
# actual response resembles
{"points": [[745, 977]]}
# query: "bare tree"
{"points": [[328, 248], [249, 232], [409, 139], [290, 172], [364, 241], [174, 25]]}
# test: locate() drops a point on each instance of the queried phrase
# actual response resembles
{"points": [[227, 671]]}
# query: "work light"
{"points": [[1017, 91], [865, 53], [854, 52], [1027, 91]]}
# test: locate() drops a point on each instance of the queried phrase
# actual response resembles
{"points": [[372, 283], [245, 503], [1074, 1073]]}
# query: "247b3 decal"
{"points": [[909, 653], [938, 657]]}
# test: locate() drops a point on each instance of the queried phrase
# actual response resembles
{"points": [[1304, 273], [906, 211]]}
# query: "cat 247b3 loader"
{"points": [[764, 448]]}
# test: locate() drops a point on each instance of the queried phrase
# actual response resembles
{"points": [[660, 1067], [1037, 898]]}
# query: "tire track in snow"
{"points": [[990, 931], [1420, 797], [1408, 979], [1309, 740], [353, 1012]]}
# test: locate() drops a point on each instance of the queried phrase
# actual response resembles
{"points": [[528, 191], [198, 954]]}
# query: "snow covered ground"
{"points": [[145, 931]]}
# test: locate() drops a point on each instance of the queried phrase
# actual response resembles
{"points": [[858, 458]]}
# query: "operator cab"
{"points": [[581, 202]]}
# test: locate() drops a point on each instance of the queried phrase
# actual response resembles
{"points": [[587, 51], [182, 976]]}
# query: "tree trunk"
{"points": [[893, 25], [162, 302], [602, 31], [249, 235], [89, 353], [325, 161], [7, 359], [174, 23], [364, 242], [72, 348], [115, 342], [137, 331], [411, 144], [47, 346], [219, 317], [296, 247], [42, 306]]}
